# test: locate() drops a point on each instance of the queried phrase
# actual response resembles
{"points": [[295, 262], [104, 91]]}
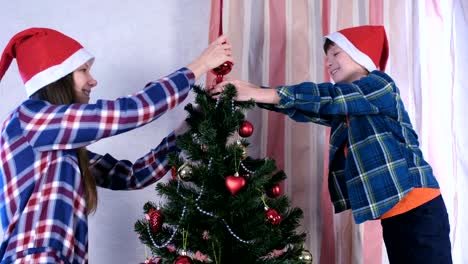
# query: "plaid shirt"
{"points": [[42, 204], [383, 161]]}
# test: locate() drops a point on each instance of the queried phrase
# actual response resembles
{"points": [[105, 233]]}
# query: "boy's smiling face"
{"points": [[341, 67]]}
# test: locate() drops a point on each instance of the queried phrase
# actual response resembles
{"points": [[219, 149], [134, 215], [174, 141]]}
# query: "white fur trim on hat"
{"points": [[56, 72], [358, 56]]}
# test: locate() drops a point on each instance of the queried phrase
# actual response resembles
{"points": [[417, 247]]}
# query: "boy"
{"points": [[376, 167]]}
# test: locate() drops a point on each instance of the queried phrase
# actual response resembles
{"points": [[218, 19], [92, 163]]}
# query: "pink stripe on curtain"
{"points": [[302, 177], [235, 32], [215, 24], [344, 14], [327, 250], [376, 12], [373, 243], [275, 137]]}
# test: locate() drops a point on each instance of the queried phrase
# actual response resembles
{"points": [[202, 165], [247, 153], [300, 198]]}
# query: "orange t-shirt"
{"points": [[415, 198]]}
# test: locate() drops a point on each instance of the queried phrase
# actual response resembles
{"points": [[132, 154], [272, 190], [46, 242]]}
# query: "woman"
{"points": [[48, 178]]}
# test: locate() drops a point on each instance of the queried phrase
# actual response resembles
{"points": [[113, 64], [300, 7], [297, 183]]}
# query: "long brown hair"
{"points": [[58, 93]]}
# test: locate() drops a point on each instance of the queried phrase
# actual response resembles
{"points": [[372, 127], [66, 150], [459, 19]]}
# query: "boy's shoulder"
{"points": [[381, 75]]}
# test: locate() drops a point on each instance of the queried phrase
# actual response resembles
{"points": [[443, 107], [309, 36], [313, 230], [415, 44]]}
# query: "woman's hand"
{"points": [[218, 52]]}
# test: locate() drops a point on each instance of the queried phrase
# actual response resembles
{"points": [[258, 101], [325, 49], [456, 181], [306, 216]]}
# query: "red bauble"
{"points": [[246, 129], [174, 172], [223, 69], [272, 216], [183, 260], [235, 183], [156, 219], [274, 192]]}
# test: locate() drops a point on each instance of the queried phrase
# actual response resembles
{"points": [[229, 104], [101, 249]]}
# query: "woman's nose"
{"points": [[92, 82]]}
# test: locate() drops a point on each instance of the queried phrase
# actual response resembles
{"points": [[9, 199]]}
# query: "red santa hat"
{"points": [[43, 56], [367, 45]]}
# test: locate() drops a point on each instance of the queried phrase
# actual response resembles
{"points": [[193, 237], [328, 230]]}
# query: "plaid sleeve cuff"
{"points": [[189, 74], [287, 97]]}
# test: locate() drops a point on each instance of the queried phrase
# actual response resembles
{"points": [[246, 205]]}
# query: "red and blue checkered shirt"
{"points": [[42, 206], [383, 161]]}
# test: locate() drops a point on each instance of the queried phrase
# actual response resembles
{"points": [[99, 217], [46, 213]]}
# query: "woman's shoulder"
{"points": [[34, 103]]}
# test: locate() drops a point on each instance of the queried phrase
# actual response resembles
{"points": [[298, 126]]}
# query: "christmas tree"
{"points": [[221, 206]]}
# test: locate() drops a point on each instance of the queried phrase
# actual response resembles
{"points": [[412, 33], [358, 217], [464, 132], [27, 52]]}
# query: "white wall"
{"points": [[134, 42]]}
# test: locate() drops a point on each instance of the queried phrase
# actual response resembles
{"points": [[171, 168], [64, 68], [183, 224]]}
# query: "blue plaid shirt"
{"points": [[383, 161]]}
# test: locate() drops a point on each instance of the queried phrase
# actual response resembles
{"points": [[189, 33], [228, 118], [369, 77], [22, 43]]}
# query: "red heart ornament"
{"points": [[235, 183]]}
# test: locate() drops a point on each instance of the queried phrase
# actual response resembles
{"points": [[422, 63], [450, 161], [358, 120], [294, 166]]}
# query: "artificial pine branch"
{"points": [[225, 227]]}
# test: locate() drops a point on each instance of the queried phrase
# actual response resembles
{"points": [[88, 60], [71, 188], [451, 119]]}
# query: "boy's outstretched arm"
{"points": [[247, 91], [372, 94], [269, 98]]}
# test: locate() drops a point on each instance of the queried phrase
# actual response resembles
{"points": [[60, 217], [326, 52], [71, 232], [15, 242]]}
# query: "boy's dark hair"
{"points": [[327, 45]]}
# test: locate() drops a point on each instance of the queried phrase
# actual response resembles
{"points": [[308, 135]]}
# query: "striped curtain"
{"points": [[280, 42]]}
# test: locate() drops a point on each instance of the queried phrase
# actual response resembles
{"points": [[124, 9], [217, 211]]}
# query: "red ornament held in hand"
{"points": [[272, 216], [222, 70], [156, 219], [246, 129]]}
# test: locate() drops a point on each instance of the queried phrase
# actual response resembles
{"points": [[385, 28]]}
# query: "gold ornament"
{"points": [[244, 150], [184, 172], [305, 256]]}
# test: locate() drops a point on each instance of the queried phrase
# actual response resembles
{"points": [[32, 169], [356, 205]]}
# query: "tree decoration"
{"points": [[185, 172], [305, 256], [272, 216], [152, 260], [183, 258], [174, 172], [155, 219], [246, 129], [223, 69], [235, 183], [274, 191], [235, 219], [223, 205]]}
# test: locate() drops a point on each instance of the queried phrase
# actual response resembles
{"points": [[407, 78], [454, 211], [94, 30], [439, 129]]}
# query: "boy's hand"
{"points": [[247, 91]]}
